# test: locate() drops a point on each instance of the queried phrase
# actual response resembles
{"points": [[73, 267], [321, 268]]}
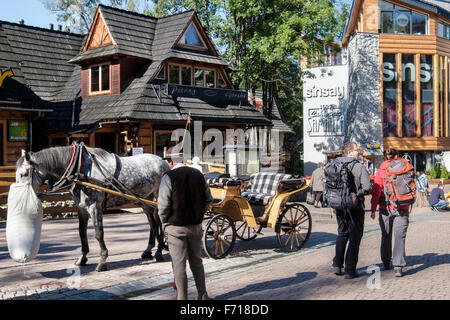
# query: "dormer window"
{"points": [[204, 78], [180, 75], [100, 79], [191, 38]]}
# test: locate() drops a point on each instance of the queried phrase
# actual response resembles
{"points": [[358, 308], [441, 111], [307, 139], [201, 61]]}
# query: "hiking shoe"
{"points": [[338, 271], [398, 272], [351, 275]]}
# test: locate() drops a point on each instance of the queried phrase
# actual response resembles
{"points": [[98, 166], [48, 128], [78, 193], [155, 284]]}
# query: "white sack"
{"points": [[24, 222]]}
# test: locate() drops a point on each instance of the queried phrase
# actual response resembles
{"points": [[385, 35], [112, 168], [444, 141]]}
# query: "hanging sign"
{"points": [[17, 130]]}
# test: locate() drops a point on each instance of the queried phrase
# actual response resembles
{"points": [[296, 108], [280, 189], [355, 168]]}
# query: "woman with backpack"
{"points": [[392, 218]]}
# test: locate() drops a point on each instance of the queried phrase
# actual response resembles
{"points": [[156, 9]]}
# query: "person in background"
{"points": [[184, 197], [437, 198], [317, 179], [397, 224], [196, 164], [423, 189]]}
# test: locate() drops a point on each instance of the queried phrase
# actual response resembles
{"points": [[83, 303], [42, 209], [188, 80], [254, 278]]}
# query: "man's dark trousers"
{"points": [[350, 231]]}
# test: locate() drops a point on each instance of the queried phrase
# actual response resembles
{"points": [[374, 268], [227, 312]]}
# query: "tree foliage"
{"points": [[79, 14]]}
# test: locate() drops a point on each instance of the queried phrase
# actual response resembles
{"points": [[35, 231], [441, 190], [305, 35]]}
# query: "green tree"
{"points": [[79, 14]]}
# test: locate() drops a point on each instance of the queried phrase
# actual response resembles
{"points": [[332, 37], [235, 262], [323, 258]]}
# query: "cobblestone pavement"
{"points": [[254, 270]]}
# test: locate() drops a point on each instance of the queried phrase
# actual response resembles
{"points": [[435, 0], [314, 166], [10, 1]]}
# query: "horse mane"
{"points": [[55, 159]]}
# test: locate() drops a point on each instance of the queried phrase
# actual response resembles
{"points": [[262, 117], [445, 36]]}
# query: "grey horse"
{"points": [[141, 174]]}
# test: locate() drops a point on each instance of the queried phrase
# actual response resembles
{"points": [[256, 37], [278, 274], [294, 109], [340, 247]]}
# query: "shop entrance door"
{"points": [[107, 141]]}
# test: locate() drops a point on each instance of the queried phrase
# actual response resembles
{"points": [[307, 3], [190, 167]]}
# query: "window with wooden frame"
{"points": [[179, 74], [400, 20], [191, 38], [100, 79], [162, 73], [204, 78]]}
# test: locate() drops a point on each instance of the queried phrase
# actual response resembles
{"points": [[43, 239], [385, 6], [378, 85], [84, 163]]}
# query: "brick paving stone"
{"points": [[255, 270]]}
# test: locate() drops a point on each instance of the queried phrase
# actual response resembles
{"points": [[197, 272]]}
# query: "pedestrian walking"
{"points": [[317, 179], [184, 197], [391, 223], [350, 219], [422, 188], [437, 198]]}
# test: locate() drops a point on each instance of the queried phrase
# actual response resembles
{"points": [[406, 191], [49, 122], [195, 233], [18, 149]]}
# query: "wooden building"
{"points": [[411, 61], [123, 87]]}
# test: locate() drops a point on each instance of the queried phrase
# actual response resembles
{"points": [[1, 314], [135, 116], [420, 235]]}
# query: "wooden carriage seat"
{"points": [[262, 187]]}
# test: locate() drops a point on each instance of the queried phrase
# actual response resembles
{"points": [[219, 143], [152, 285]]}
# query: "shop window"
{"points": [[427, 94], [163, 140], [389, 95], [419, 23], [100, 78], [400, 20], [443, 30], [409, 127]]}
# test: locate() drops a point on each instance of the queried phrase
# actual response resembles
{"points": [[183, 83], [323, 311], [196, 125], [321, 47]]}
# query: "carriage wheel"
{"points": [[244, 233], [293, 227], [219, 236]]}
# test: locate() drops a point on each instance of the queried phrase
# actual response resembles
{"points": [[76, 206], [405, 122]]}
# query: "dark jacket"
{"points": [[184, 197]]}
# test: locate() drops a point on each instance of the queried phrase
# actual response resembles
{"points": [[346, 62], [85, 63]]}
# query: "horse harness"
{"points": [[73, 174]]}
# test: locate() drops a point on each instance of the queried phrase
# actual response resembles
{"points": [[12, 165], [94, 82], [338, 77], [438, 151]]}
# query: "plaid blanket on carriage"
{"points": [[262, 186]]}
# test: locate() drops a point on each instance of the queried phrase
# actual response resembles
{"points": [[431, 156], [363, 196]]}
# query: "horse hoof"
{"points": [[101, 267], [159, 257], [81, 262], [147, 255]]}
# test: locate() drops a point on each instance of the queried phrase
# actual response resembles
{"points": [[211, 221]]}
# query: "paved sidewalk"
{"points": [[308, 274], [254, 270]]}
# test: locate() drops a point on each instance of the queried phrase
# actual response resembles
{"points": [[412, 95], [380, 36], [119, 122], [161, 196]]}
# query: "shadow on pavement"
{"points": [[269, 285], [425, 261]]}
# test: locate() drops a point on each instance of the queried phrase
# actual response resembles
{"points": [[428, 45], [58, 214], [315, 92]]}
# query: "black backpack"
{"points": [[339, 187]]}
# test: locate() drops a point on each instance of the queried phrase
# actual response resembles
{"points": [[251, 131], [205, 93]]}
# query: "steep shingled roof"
{"points": [[38, 58]]}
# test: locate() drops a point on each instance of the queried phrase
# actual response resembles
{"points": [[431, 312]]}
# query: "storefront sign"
{"points": [[17, 130], [324, 109], [327, 120], [389, 73], [402, 20], [210, 95]]}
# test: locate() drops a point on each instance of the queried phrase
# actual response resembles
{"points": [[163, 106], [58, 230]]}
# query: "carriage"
{"points": [[242, 207]]}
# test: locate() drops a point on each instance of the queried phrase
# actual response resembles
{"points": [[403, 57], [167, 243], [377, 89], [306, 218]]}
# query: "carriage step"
{"points": [[260, 233]]}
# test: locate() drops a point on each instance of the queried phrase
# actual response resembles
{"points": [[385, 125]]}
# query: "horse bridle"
{"points": [[66, 177]]}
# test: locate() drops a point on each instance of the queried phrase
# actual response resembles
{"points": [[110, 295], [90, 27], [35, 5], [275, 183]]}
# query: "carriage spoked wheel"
{"points": [[293, 227], [245, 233], [219, 236]]}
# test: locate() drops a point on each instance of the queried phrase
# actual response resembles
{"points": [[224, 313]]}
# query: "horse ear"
{"points": [[26, 155]]}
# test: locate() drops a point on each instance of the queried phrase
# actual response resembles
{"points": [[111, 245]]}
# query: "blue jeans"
{"points": [[441, 204]]}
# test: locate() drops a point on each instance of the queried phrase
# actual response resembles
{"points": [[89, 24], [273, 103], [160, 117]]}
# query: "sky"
{"points": [[32, 11], [34, 14]]}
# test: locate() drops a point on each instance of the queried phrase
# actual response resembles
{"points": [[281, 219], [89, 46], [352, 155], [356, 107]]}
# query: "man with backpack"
{"points": [[346, 182], [394, 191]]}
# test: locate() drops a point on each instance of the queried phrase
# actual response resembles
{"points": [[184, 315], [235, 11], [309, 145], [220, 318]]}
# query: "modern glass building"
{"points": [[399, 63]]}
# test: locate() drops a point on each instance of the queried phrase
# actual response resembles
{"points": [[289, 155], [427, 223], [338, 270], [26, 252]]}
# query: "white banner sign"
{"points": [[324, 109]]}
